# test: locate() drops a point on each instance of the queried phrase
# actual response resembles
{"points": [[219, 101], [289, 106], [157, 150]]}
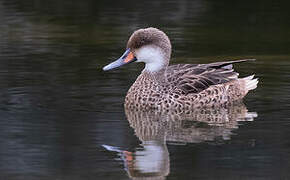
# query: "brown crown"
{"points": [[148, 36]]}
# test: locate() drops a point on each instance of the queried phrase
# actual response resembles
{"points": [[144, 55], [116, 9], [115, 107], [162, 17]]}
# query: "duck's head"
{"points": [[150, 46]]}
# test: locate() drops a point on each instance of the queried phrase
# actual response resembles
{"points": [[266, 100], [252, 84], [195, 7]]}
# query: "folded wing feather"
{"points": [[192, 78]]}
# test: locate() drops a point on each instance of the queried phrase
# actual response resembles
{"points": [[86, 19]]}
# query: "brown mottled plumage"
{"points": [[187, 86], [182, 86]]}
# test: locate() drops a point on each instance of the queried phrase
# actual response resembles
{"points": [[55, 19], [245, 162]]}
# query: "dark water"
{"points": [[62, 117]]}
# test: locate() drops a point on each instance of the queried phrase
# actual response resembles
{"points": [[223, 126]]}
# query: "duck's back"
{"points": [[186, 86], [192, 79]]}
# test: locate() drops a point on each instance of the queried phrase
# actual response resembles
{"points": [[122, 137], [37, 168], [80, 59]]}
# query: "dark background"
{"points": [[57, 106]]}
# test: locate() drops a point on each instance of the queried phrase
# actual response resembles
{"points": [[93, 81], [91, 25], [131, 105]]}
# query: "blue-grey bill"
{"points": [[121, 61], [113, 65]]}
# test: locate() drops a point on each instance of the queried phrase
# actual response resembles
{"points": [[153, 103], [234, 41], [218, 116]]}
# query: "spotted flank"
{"points": [[182, 86]]}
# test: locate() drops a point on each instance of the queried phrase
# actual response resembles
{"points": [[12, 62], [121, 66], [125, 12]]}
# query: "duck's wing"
{"points": [[194, 78]]}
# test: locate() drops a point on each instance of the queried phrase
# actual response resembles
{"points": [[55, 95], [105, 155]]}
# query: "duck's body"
{"points": [[188, 86], [182, 86]]}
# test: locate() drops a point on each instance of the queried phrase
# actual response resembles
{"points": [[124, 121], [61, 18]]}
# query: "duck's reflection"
{"points": [[155, 129]]}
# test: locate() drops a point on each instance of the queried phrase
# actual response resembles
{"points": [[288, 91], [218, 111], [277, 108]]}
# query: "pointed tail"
{"points": [[250, 83]]}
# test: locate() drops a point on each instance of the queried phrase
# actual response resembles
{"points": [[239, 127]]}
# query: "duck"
{"points": [[178, 87]]}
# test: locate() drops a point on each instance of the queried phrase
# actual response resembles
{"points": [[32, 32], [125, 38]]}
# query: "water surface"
{"points": [[58, 108]]}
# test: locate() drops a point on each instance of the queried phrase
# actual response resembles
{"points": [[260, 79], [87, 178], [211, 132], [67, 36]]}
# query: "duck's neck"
{"points": [[154, 67], [156, 76], [154, 57], [158, 65]]}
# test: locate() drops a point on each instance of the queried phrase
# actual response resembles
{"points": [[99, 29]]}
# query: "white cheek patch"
{"points": [[152, 57]]}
